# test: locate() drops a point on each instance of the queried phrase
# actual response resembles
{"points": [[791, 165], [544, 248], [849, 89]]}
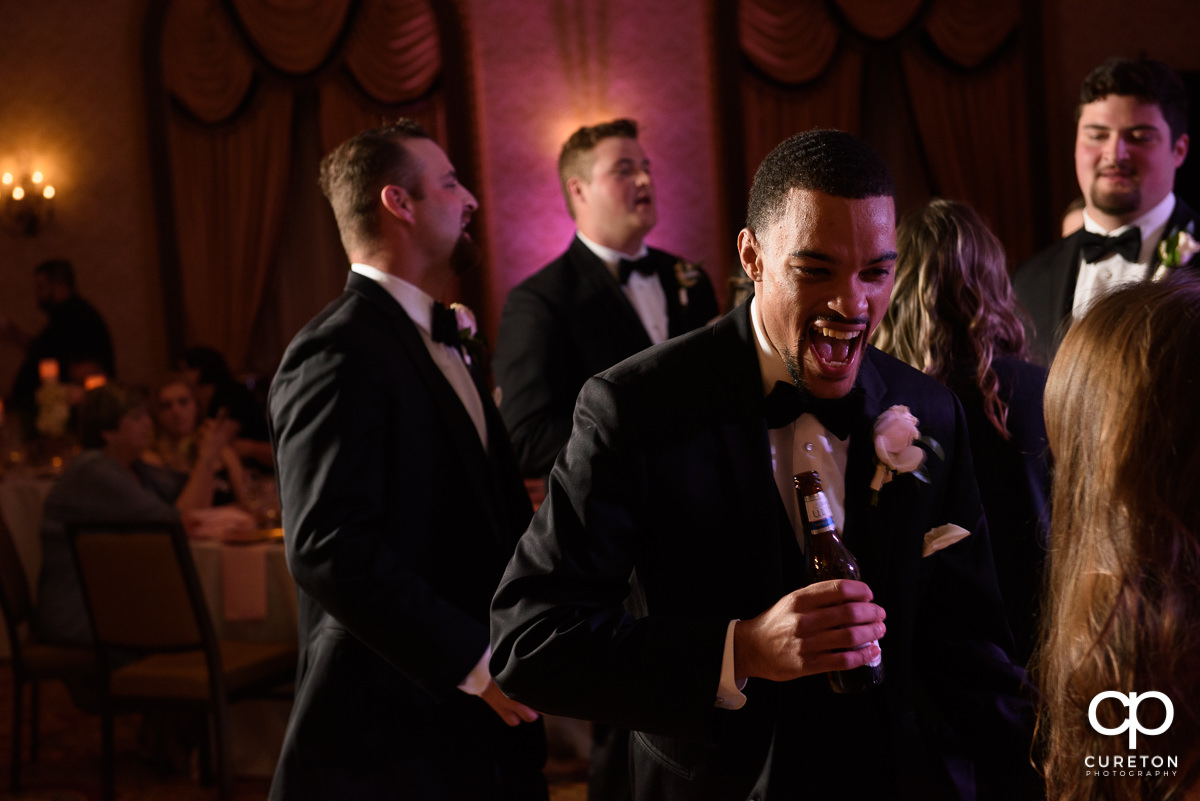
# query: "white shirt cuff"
{"points": [[729, 691], [477, 680]]}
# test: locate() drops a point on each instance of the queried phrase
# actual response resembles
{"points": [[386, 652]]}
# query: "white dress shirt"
{"points": [[1114, 271], [645, 292], [803, 444], [419, 308]]}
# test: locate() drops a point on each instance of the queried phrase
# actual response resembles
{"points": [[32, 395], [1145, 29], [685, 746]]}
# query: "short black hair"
{"points": [[352, 176], [828, 161], [1148, 81], [57, 271]]}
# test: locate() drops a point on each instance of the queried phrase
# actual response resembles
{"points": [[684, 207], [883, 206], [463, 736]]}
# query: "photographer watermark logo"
{"points": [[1131, 724]]}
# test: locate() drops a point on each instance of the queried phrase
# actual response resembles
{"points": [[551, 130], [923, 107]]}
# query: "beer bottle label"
{"points": [[820, 518]]}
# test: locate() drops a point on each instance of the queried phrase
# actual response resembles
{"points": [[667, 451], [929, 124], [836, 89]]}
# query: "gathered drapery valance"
{"points": [[234, 71], [942, 69], [793, 42]]}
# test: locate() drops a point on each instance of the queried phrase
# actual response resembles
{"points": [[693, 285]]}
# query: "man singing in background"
{"points": [[608, 297]]}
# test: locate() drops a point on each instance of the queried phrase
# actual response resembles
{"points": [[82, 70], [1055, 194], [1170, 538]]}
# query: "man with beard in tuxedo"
{"points": [[1131, 137], [401, 504]]}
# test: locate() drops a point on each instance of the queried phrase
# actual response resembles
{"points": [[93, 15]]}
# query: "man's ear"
{"points": [[576, 190], [398, 202], [1181, 149], [749, 251]]}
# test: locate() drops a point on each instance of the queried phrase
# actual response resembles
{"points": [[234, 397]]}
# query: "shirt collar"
{"points": [[611, 258], [1152, 224], [770, 361], [415, 302]]}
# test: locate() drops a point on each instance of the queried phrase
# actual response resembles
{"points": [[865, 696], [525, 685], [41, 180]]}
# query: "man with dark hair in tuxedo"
{"points": [[608, 297], [1131, 137], [675, 494], [401, 502]]}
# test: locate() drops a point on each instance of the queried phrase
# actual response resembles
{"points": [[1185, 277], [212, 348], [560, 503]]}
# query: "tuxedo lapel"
{"points": [[477, 478], [1182, 219], [623, 321], [770, 545], [1072, 258], [863, 531]]}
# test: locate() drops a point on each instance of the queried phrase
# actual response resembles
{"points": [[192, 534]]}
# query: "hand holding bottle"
{"points": [[826, 626]]}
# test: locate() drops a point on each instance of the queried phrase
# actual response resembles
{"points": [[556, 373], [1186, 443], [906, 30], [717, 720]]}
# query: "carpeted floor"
{"points": [[68, 767]]}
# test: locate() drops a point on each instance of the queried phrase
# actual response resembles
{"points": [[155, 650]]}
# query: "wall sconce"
{"points": [[28, 201]]}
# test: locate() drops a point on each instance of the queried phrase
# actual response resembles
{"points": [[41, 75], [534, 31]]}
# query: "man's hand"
{"points": [[816, 629], [509, 710]]}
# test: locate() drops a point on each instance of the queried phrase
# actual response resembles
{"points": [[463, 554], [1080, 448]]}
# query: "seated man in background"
{"points": [[97, 485], [608, 297]]}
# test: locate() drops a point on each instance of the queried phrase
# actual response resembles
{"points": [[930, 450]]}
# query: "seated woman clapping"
{"points": [[192, 462]]}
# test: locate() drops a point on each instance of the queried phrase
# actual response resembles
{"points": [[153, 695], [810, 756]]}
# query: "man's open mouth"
{"points": [[834, 348]]}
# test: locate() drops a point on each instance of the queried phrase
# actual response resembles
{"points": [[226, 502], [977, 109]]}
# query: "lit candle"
{"points": [[94, 381], [48, 192], [48, 370], [18, 193]]}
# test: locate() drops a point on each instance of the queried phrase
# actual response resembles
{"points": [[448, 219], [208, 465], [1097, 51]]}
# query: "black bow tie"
{"points": [[1096, 247], [443, 326], [785, 403], [642, 265]]}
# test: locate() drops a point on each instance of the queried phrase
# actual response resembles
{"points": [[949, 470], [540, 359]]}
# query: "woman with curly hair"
{"points": [[1123, 606], [952, 316]]}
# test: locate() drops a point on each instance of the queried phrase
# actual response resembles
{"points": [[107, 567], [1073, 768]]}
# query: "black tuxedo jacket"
{"points": [[667, 479], [1045, 284], [564, 324], [398, 527]]}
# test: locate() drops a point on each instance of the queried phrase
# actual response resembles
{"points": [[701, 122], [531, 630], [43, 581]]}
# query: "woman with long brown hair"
{"points": [[1123, 606], [953, 316]]}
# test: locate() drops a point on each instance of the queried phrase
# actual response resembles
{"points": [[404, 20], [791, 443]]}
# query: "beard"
{"points": [[466, 255], [1117, 203], [795, 369]]}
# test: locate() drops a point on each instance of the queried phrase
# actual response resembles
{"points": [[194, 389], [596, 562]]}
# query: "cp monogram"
{"points": [[1132, 723]]}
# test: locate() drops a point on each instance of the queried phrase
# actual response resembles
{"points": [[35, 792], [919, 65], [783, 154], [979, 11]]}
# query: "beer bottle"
{"points": [[828, 559]]}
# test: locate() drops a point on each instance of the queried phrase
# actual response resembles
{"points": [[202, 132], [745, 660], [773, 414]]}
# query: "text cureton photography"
{"points": [[1130, 764]]}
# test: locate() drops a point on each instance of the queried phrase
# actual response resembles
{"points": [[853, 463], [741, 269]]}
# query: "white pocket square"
{"points": [[941, 537]]}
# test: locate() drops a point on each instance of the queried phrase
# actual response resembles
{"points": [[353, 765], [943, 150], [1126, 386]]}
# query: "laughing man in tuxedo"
{"points": [[608, 297], [401, 505], [675, 491], [1131, 137]]}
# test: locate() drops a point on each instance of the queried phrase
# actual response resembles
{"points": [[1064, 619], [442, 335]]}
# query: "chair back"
{"points": [[140, 586], [16, 603]]}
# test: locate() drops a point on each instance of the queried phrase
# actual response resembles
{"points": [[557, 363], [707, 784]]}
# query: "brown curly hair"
{"points": [[952, 303]]}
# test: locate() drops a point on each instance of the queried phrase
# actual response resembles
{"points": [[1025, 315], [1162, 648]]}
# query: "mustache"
{"points": [[861, 319]]}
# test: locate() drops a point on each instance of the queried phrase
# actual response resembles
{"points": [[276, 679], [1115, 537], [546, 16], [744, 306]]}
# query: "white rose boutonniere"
{"points": [[474, 344], [1177, 248], [896, 435], [686, 275]]}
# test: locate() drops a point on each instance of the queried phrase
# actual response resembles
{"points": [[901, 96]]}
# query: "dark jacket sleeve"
{"points": [[334, 415]]}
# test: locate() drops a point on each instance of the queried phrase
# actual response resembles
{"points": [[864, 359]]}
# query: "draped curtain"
{"points": [[244, 82], [935, 82]]}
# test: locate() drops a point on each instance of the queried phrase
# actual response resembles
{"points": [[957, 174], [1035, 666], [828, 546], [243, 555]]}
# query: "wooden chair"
{"points": [[32, 661], [143, 595]]}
